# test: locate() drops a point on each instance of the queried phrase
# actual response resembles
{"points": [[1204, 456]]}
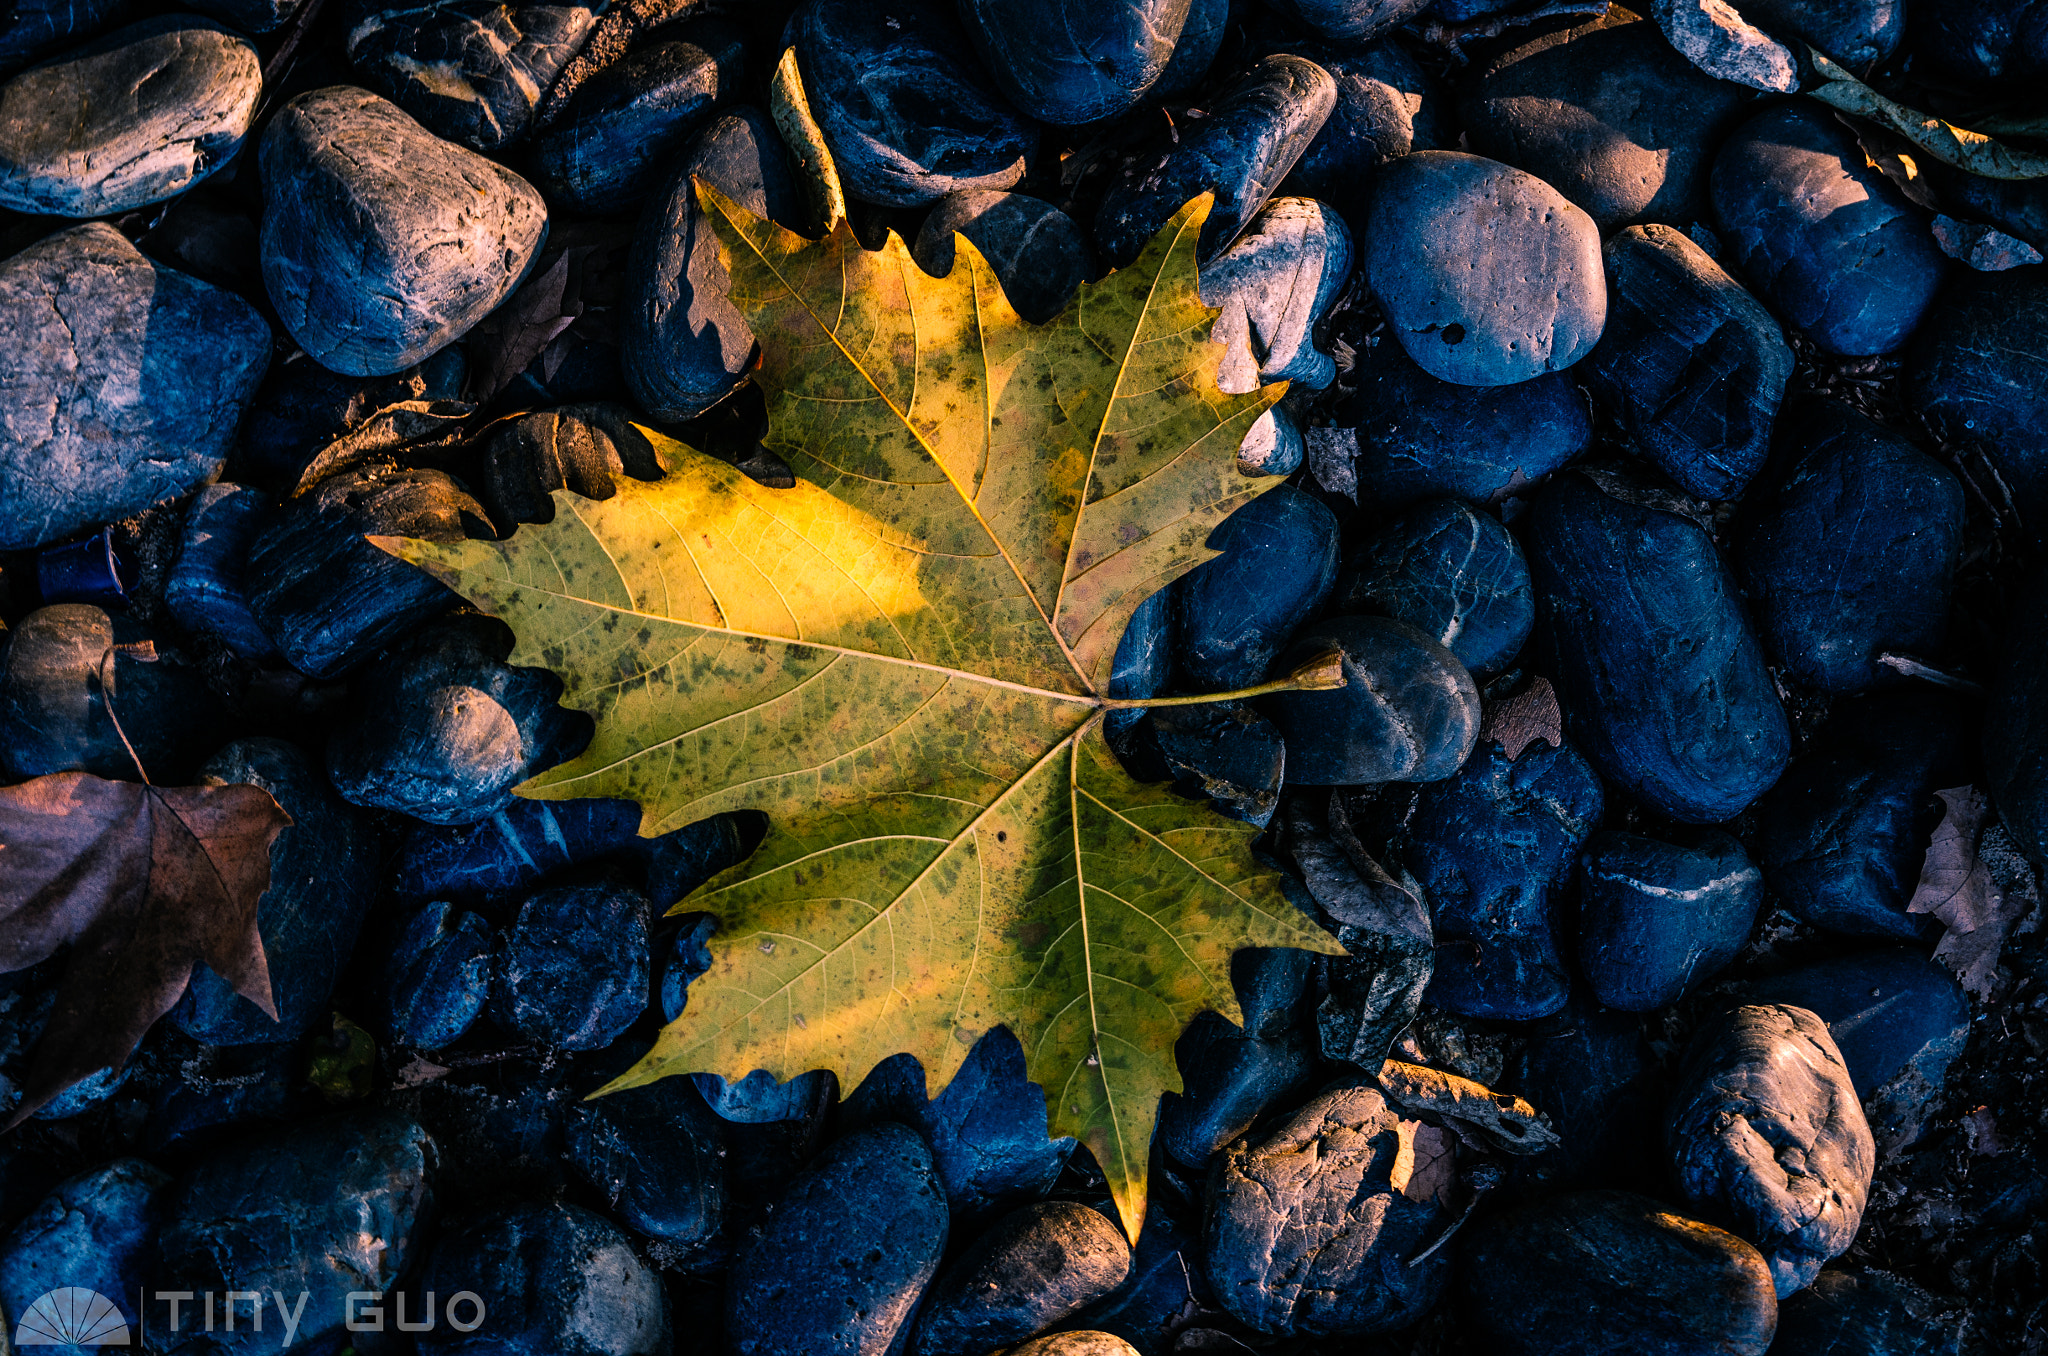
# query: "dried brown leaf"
{"points": [[1524, 718], [1957, 888], [142, 883], [1478, 1115]]}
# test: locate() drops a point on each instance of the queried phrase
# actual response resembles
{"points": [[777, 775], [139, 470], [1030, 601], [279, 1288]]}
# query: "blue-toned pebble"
{"points": [[1493, 849], [1658, 919], [1225, 751], [686, 956], [1661, 680], [1350, 21], [1277, 565], [96, 1230], [1253, 133], [1274, 445], [1979, 370], [1842, 836], [1692, 366], [1029, 1270], [1069, 62], [1487, 275], [1825, 238], [1194, 52], [909, 111], [1408, 710], [437, 976], [1591, 1073], [1849, 549], [1273, 285], [1454, 574], [1039, 253], [234, 1090], [657, 1156], [1231, 1074], [570, 972], [1866, 1313], [206, 590], [1387, 106]]}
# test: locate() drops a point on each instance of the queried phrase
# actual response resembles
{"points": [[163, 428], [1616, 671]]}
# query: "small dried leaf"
{"points": [[1981, 1128], [1984, 248], [1425, 1162], [1973, 152], [526, 325], [1957, 888], [1524, 718], [1331, 454], [1481, 1117]]}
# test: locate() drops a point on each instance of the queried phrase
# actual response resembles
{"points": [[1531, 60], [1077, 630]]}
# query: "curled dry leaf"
{"points": [[903, 660], [1957, 887], [1524, 718], [1973, 152], [142, 883], [1481, 1117]]}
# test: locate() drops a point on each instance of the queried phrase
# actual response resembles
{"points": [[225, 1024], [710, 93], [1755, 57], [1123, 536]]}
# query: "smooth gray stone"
{"points": [[1028, 1271], [1273, 284], [1408, 710], [1040, 254], [381, 242], [1308, 1234], [1487, 275], [1766, 1129], [140, 115], [473, 71], [1386, 107], [121, 383], [1692, 366]]}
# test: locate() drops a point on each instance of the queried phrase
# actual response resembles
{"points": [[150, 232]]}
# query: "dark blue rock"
{"points": [[97, 570], [1607, 112], [1979, 370], [68, 695], [1307, 1235], [1692, 366], [1278, 563], [1254, 132], [587, 449], [328, 598], [1858, 35], [1454, 574], [1486, 275], [2002, 44], [1849, 549], [323, 878], [657, 1156], [758, 1099], [570, 972], [28, 998], [1658, 919], [503, 1133], [1842, 837], [1386, 107], [845, 1253], [382, 243], [227, 1092], [1070, 62], [472, 71], [1826, 239], [1899, 1020], [1166, 1276], [686, 956], [325, 1209], [302, 408], [1766, 1131], [1037, 251], [1605, 1271], [553, 1278], [120, 383], [1661, 680], [1350, 21], [1026, 1272], [206, 590], [1419, 437], [1143, 664], [1201, 38], [436, 977], [1593, 1076], [1408, 710], [96, 1230], [1225, 751], [1493, 849], [442, 729], [906, 107], [615, 140], [1867, 1313], [1231, 1074], [29, 30], [1274, 285], [139, 116], [685, 345]]}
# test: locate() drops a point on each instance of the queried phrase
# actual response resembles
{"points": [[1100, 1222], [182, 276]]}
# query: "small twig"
{"points": [[1485, 1177], [1320, 674], [1913, 668]]}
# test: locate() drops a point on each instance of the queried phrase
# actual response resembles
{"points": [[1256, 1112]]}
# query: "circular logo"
{"points": [[72, 1317]]}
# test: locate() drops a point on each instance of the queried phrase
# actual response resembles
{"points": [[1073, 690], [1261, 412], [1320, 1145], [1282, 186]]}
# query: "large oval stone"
{"points": [[121, 383], [1979, 369], [1660, 677], [1073, 61], [140, 115], [381, 242], [1487, 275]]}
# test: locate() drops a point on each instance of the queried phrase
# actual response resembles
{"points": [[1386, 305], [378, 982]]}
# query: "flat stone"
{"points": [[1607, 112], [381, 242], [1604, 1271], [37, 27], [138, 116], [1662, 681], [120, 384], [1254, 131], [1713, 37], [1767, 1129], [1850, 550], [206, 590], [1069, 62], [1487, 275], [1308, 1230], [904, 103], [656, 1155], [1826, 239], [1692, 366], [1232, 1074], [1859, 33]]}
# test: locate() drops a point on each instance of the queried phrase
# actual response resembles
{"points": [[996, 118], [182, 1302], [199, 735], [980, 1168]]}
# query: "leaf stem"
{"points": [[1320, 674]]}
